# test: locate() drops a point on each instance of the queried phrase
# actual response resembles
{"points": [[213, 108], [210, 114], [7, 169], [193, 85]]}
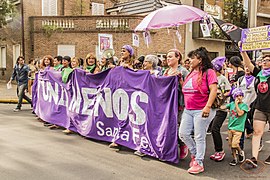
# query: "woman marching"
{"points": [[90, 64], [174, 58], [127, 60], [262, 104], [200, 90]]}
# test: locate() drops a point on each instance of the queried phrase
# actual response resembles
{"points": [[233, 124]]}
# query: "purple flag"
{"points": [[133, 109]]}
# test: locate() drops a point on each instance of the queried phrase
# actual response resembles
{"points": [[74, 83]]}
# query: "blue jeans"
{"points": [[192, 121], [21, 95]]}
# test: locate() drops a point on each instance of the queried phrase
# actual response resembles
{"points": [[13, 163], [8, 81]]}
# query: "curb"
{"points": [[12, 101]]}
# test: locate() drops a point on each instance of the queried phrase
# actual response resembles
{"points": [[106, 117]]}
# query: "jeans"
{"points": [[216, 125], [21, 95], [192, 121]]}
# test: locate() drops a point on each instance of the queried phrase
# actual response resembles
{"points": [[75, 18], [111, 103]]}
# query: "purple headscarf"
{"points": [[129, 49], [236, 92], [218, 63]]}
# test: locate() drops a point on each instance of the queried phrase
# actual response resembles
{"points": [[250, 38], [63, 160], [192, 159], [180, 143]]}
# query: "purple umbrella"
{"points": [[171, 16]]}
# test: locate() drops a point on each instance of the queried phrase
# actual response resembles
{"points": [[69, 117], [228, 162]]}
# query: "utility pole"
{"points": [[252, 13], [22, 30]]}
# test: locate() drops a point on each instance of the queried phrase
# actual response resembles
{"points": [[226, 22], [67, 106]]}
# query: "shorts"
{"points": [[261, 116], [234, 138]]}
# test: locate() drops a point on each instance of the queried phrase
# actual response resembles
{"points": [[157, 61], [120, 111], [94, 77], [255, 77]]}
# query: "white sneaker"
{"points": [[139, 153]]}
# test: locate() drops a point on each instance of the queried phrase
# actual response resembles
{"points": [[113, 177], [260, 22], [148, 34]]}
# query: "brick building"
{"points": [[71, 27]]}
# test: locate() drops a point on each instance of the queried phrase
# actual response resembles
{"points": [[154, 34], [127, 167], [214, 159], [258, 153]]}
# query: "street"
{"points": [[31, 151]]}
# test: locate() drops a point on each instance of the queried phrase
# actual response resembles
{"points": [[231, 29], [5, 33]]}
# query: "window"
{"points": [[49, 7], [16, 52], [3, 57], [97, 8], [66, 50]]}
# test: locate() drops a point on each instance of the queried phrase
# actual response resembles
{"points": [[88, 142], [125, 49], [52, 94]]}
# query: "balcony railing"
{"points": [[86, 23]]}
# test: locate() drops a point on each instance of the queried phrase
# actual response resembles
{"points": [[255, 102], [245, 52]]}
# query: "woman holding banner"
{"points": [[90, 64], [47, 62], [200, 90], [262, 104], [127, 58], [174, 58]]}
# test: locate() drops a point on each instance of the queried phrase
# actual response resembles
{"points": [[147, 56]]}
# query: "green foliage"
{"points": [[235, 13], [6, 9], [216, 33], [48, 30], [79, 8]]}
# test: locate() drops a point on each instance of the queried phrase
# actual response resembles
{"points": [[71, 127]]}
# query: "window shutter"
{"points": [[53, 7], [49, 7], [3, 60], [45, 7]]}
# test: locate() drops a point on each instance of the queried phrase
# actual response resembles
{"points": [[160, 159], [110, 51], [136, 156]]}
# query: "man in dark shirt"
{"points": [[20, 73]]}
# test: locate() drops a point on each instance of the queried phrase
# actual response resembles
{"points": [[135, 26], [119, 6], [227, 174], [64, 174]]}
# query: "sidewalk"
{"points": [[8, 95]]}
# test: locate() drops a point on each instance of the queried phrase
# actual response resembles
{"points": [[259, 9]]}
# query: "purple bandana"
{"points": [[249, 80], [266, 72]]}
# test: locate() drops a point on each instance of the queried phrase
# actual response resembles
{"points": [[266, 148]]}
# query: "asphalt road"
{"points": [[28, 150]]}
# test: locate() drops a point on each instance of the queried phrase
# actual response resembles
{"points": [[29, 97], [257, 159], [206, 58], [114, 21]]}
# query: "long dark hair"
{"points": [[206, 64], [202, 53]]}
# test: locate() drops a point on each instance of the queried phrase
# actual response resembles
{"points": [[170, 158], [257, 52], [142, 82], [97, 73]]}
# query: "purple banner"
{"points": [[255, 38], [133, 109]]}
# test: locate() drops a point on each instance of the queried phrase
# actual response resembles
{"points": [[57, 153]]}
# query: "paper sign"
{"points": [[135, 40], [255, 38], [205, 29]]}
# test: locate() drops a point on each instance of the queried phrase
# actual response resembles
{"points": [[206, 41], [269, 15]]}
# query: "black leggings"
{"points": [[216, 125]]}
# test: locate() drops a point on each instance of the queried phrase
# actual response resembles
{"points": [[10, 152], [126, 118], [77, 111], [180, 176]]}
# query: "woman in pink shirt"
{"points": [[200, 90]]}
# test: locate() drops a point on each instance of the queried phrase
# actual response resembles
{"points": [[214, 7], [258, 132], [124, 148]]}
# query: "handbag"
{"points": [[220, 98]]}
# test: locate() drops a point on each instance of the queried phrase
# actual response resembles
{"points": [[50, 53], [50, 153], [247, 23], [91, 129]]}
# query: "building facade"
{"points": [[72, 27]]}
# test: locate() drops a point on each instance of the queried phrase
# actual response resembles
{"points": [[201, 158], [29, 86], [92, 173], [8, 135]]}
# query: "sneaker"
{"points": [[219, 156], [192, 160], [249, 135], [241, 156], [139, 153], [67, 131], [267, 161], [252, 162], [46, 124], [53, 127], [113, 145], [183, 151], [261, 146], [233, 162], [196, 168], [212, 157], [17, 109]]}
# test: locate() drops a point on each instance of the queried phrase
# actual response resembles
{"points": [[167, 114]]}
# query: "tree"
{"points": [[6, 9], [235, 13]]}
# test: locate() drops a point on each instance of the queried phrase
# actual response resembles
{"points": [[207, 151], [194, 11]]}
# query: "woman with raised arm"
{"points": [[262, 104]]}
